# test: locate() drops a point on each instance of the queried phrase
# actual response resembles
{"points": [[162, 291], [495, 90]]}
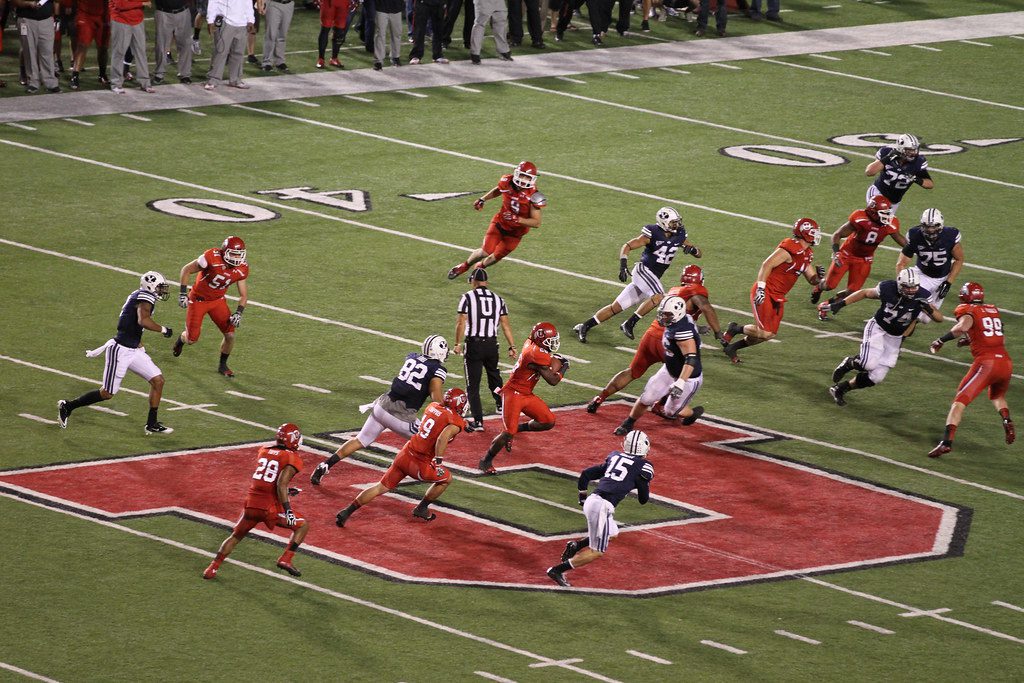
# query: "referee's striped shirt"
{"points": [[483, 309]]}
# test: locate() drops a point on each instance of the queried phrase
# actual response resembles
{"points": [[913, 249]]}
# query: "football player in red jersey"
{"points": [[534, 362], [776, 277], [421, 456], [217, 269], [991, 368], [267, 502], [521, 205], [863, 231], [651, 350]]}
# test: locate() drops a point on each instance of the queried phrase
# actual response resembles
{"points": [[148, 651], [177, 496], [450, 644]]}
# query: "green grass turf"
{"points": [[87, 602]]}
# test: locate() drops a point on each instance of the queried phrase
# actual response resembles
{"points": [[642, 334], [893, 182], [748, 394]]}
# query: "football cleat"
{"points": [[335, 63], [178, 346], [627, 329], [848, 364], [320, 63], [474, 426], [210, 572], [581, 332], [287, 566], [625, 428], [571, 548], [226, 371], [63, 413], [659, 410], [157, 428], [823, 311], [422, 512], [319, 472], [815, 295], [697, 412], [837, 394], [558, 577], [940, 450], [731, 332], [342, 517], [486, 466], [594, 404], [732, 354], [1011, 435]]}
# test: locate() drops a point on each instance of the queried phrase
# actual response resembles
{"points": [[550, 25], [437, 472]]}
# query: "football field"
{"points": [[787, 539]]}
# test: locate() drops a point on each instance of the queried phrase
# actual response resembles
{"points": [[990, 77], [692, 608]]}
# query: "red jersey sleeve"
{"points": [[505, 182]]}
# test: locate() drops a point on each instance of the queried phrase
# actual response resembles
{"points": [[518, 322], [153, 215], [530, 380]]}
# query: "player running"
{"points": [[898, 167], [992, 366], [940, 255], [521, 205]]}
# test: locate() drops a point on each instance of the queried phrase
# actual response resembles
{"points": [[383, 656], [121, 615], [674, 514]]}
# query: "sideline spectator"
{"points": [[452, 15], [258, 9], [127, 32], [773, 10], [35, 26], [275, 33], [333, 15], [721, 17], [173, 23], [388, 21], [432, 11], [232, 20], [533, 21]]}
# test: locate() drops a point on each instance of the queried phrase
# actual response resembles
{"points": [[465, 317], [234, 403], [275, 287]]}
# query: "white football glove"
{"points": [[183, 300], [759, 295], [235, 319]]}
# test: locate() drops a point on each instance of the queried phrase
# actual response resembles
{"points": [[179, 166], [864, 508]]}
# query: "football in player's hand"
{"points": [[556, 364]]}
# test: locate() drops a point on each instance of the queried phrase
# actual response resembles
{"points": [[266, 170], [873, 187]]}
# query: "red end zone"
{"points": [[770, 518]]}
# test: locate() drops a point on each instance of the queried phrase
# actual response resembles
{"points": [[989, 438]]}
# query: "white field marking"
{"points": [[493, 677], [410, 93], [625, 348], [542, 665], [894, 85], [794, 636], [110, 411], [674, 71], [36, 418], [574, 359], [192, 112], [577, 81], [926, 613], [464, 88], [1017, 37], [974, 42], [197, 406], [926, 47], [831, 7], [828, 57], [312, 388], [25, 673], [877, 2], [357, 98], [304, 103], [726, 66], [723, 646], [650, 658], [826, 335], [1000, 603], [622, 75], [876, 52], [371, 378], [20, 125], [871, 627], [136, 117], [239, 394], [324, 591], [81, 123], [675, 117]]}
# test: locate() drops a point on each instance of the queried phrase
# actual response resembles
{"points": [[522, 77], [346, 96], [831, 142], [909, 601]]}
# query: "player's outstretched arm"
{"points": [[873, 168], [963, 324]]}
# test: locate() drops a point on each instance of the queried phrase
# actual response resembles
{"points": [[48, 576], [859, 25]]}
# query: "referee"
{"points": [[480, 312]]}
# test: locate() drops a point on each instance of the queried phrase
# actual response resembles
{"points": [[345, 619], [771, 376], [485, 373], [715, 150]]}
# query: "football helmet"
{"points": [[879, 209], [692, 275], [671, 309], [908, 145], [807, 229], [636, 443], [908, 280], [525, 175], [545, 336], [154, 282], [669, 219], [289, 436], [932, 224], [233, 251], [435, 347], [457, 401], [972, 293]]}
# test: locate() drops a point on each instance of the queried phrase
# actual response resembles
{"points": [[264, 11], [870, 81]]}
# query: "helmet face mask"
{"points": [[435, 346], [879, 209], [456, 400], [692, 275], [669, 219], [289, 436], [972, 293], [909, 282], [545, 335], [233, 251], [154, 282], [671, 309], [807, 229], [525, 175], [932, 224], [907, 145], [636, 443]]}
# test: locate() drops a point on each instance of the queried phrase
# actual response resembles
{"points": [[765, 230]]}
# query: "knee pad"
{"points": [[863, 379]]}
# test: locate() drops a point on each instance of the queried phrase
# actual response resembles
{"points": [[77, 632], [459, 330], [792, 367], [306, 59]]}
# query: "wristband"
{"points": [[835, 248], [163, 330], [838, 306], [948, 337], [287, 506], [183, 288], [760, 285], [623, 262], [239, 309]]}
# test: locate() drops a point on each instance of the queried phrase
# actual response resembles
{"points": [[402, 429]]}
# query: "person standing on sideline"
{"points": [[92, 24], [35, 26], [755, 11], [432, 12], [275, 33], [621, 472], [721, 17], [480, 312], [333, 24], [388, 21], [230, 22], [128, 33], [125, 352], [495, 12], [173, 22]]}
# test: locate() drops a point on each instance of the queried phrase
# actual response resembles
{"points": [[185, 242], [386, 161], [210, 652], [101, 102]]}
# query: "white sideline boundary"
{"points": [[26, 673]]}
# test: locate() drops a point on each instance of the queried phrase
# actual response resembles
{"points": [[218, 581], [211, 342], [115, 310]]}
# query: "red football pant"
{"points": [[252, 517], [333, 13], [92, 27], [987, 371], [858, 268], [648, 353], [515, 403], [768, 315], [197, 310], [498, 244], [408, 465]]}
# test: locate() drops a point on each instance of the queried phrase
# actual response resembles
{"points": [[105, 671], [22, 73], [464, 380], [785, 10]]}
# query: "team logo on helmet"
{"points": [[456, 400], [972, 293], [909, 281], [671, 309], [908, 145], [669, 219], [435, 347], [879, 209], [154, 282], [545, 336], [807, 229], [289, 436]]}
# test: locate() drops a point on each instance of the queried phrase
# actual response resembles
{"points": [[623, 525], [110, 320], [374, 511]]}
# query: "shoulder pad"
{"points": [[538, 200], [505, 182]]}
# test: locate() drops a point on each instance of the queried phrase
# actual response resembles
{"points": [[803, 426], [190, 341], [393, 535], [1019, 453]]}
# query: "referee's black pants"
{"points": [[481, 354]]}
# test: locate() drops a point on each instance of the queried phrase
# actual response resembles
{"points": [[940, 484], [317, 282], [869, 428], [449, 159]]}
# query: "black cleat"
{"points": [[558, 577], [157, 428], [486, 466], [732, 331], [75, 85], [594, 405], [731, 352], [226, 371], [423, 513], [626, 427], [63, 413], [815, 295], [581, 332], [940, 450], [178, 346], [342, 517], [319, 472], [1011, 434], [837, 393], [848, 364], [505, 56], [287, 566], [697, 412], [627, 329], [571, 548], [475, 59]]}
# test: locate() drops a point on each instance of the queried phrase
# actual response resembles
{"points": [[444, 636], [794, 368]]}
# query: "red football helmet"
{"points": [[233, 250], [972, 293], [289, 436], [525, 175], [545, 336], [456, 400], [879, 209], [807, 229], [692, 275]]}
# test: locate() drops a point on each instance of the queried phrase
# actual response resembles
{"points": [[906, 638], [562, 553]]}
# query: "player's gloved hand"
{"points": [[891, 157], [294, 490], [167, 332], [963, 341], [478, 204], [675, 392], [759, 295], [565, 363], [824, 308], [289, 517], [820, 272], [837, 261], [703, 329], [183, 300], [509, 218], [721, 339], [235, 319], [936, 346], [943, 289], [691, 250], [582, 497], [623, 270]]}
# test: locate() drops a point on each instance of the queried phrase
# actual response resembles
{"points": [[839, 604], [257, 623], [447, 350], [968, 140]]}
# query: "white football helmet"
{"points": [[154, 282], [669, 219], [435, 347], [671, 309], [636, 443], [909, 281], [931, 223], [908, 145]]}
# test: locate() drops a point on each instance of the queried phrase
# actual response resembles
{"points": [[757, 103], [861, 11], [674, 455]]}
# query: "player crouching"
{"points": [[267, 502]]}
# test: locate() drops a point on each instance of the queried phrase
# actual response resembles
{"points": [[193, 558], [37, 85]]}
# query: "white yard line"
{"points": [[21, 126], [975, 42], [410, 93], [876, 52], [567, 79], [493, 677], [463, 88], [926, 47], [622, 75], [136, 117], [80, 123], [723, 646], [794, 636], [25, 673], [732, 67], [193, 113], [649, 658], [312, 388], [828, 57], [109, 411], [239, 394], [674, 71], [304, 103], [36, 418], [356, 98], [871, 627], [377, 380], [1000, 603]]}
